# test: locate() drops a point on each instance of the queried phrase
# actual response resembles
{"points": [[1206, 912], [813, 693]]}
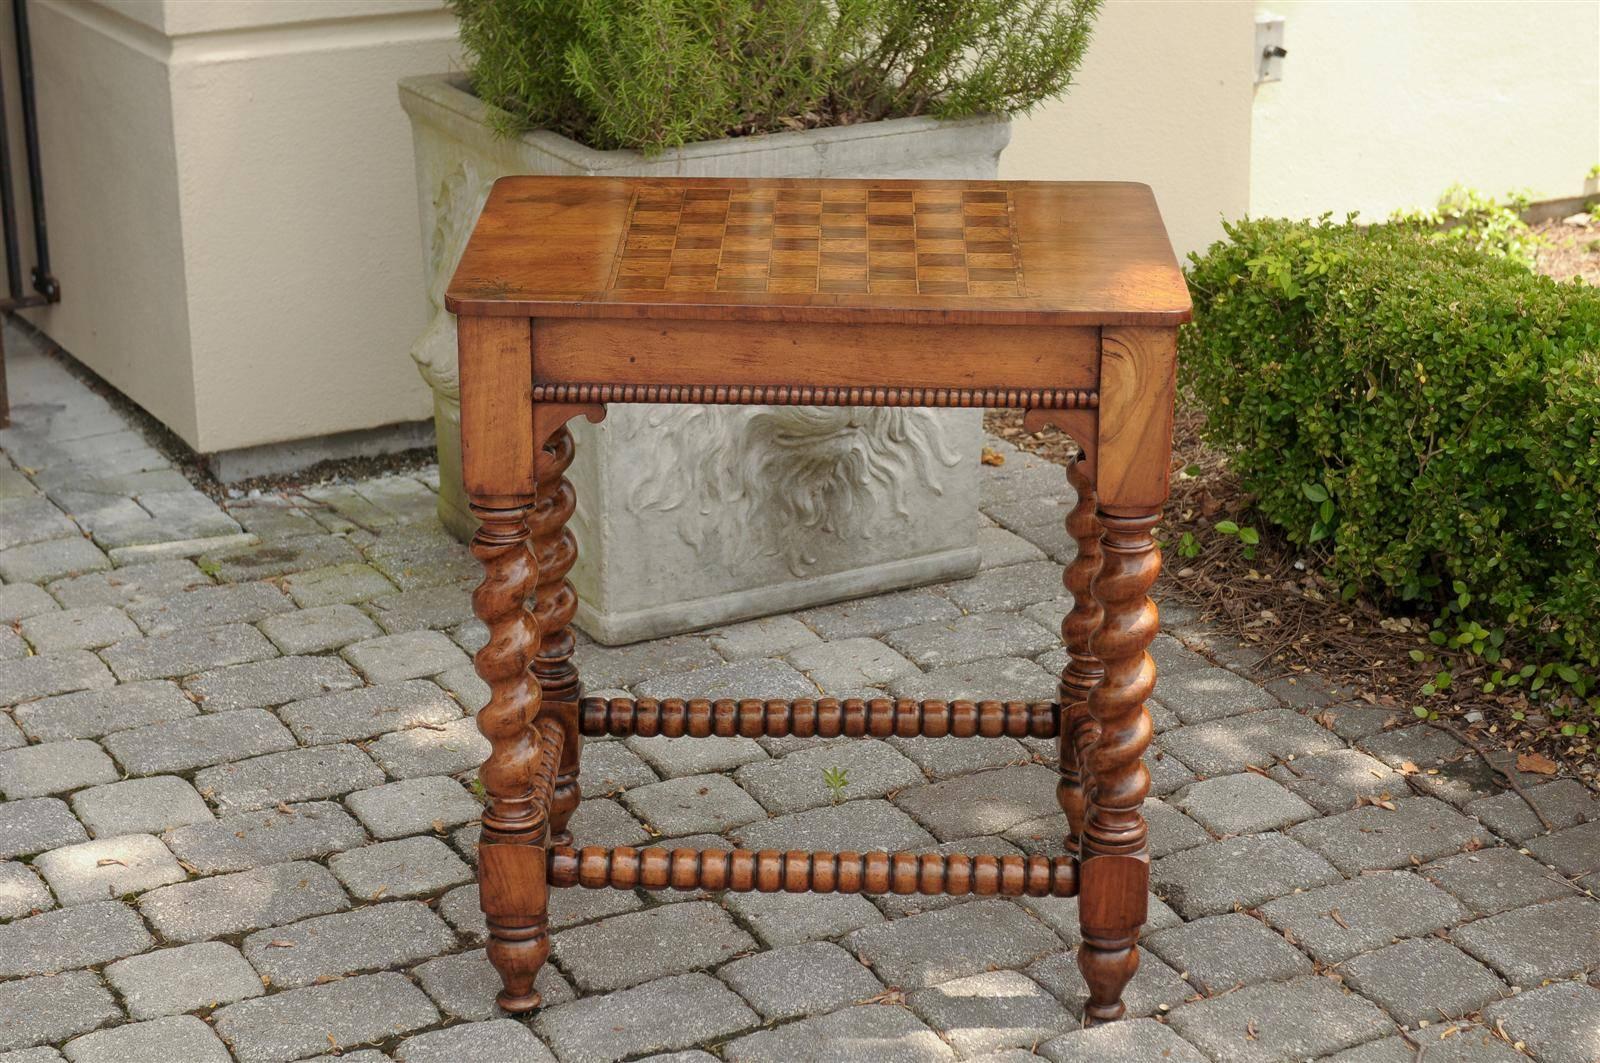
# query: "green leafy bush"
{"points": [[1467, 216], [654, 74], [1426, 414]]}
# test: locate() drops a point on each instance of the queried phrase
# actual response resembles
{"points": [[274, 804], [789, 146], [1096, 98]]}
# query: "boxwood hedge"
{"points": [[1424, 416]]}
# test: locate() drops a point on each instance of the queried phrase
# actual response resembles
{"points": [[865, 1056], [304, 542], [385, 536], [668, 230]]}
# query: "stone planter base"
{"points": [[694, 516]]}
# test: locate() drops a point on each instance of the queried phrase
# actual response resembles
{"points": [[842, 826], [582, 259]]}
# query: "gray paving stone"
{"points": [[413, 806], [1254, 740], [862, 826], [187, 652], [1237, 873], [1354, 720], [780, 919], [275, 835], [881, 1033], [1336, 781], [77, 629], [797, 782], [471, 636], [945, 758], [692, 1056], [770, 636], [876, 615], [181, 745], [1267, 1022], [1221, 952], [412, 867], [628, 950], [186, 978], [327, 946], [43, 1054], [1468, 778], [464, 985], [422, 608], [924, 950], [1495, 880], [676, 757], [850, 664], [202, 607], [602, 822], [431, 749], [600, 1029], [990, 1011], [965, 639], [1368, 838], [329, 627], [292, 775], [52, 768], [1242, 804], [53, 1008], [242, 564], [370, 1055], [340, 584], [607, 667], [805, 979], [1423, 980], [1004, 679], [422, 556], [34, 826], [989, 802], [1372, 910], [270, 682], [19, 601], [21, 892], [59, 673], [503, 1039], [1559, 1023], [295, 1024], [1573, 851], [608, 768], [1007, 589], [1426, 747], [1452, 1042], [1130, 1039], [1168, 774], [1155, 987], [42, 562], [464, 684], [93, 713], [692, 805], [411, 655], [273, 518], [998, 547], [1565, 803], [369, 711], [129, 585], [11, 736], [747, 679], [107, 868], [84, 935], [1550, 940], [1202, 694], [157, 1041], [233, 904]]}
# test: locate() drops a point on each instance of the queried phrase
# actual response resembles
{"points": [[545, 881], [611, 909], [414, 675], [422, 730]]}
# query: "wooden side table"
{"points": [[1059, 299]]}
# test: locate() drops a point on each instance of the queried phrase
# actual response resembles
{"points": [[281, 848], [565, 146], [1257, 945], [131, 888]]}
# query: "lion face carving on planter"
{"points": [[766, 480]]}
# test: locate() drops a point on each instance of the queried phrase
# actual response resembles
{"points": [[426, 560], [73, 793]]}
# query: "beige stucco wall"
{"points": [[232, 207], [1384, 104], [1163, 97]]}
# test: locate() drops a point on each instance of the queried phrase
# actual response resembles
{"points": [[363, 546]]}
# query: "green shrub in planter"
{"points": [[655, 74], [1425, 413]]}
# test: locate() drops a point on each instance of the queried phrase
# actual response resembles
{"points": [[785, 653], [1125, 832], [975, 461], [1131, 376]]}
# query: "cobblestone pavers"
{"points": [[237, 821]]}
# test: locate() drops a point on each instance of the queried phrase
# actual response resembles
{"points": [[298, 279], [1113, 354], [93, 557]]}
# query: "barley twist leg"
{"points": [[556, 604], [1115, 868], [1083, 669], [511, 855]]}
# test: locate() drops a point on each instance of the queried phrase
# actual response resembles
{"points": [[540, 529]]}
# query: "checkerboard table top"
{"points": [[947, 252]]}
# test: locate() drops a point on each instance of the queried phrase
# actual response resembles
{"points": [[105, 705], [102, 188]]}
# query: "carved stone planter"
{"points": [[691, 516]]}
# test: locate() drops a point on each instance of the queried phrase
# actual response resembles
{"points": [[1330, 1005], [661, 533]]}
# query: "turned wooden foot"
{"points": [[1083, 669], [1114, 871]]}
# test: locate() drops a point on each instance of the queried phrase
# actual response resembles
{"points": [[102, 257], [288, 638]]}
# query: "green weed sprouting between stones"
{"points": [[836, 779], [1422, 417], [656, 74]]}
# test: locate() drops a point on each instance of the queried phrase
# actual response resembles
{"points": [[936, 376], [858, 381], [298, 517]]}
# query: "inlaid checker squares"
{"points": [[877, 241]]}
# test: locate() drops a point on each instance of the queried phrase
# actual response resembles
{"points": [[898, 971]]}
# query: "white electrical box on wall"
{"points": [[1269, 47]]}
